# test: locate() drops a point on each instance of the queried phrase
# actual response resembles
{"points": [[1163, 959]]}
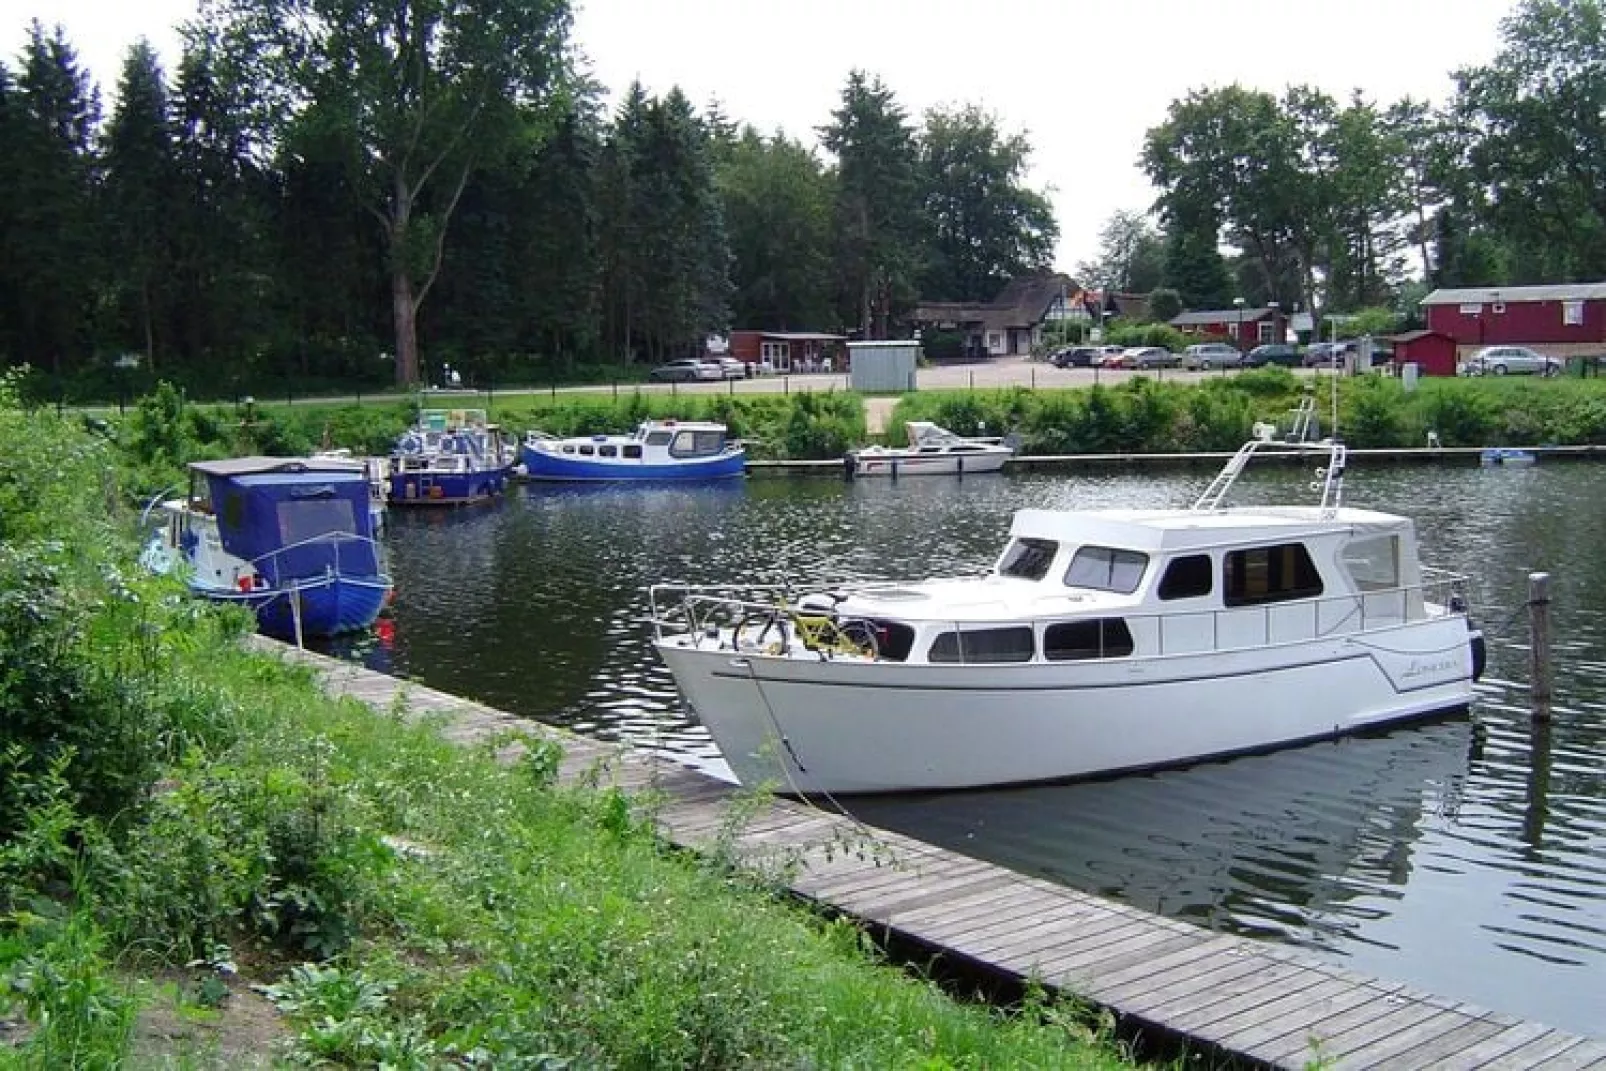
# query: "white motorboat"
{"points": [[932, 451], [1101, 641]]}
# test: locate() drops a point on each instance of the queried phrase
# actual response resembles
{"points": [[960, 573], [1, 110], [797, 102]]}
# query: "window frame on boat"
{"points": [[632, 451], [975, 646], [1249, 580], [1372, 561], [1014, 563], [659, 437], [697, 442], [607, 450], [1117, 564], [1111, 639], [1188, 576]]}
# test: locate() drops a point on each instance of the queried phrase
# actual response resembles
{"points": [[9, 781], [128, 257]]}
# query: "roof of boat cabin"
{"points": [[246, 466], [1178, 529]]}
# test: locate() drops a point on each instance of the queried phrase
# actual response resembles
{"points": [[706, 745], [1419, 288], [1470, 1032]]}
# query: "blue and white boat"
{"points": [[1506, 455], [451, 457], [658, 450], [291, 539]]}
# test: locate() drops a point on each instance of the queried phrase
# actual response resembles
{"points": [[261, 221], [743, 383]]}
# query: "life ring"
{"points": [[410, 444]]}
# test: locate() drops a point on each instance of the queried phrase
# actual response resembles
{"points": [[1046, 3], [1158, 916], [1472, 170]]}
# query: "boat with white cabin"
{"points": [[656, 450], [450, 457], [291, 539], [1100, 641], [931, 451]]}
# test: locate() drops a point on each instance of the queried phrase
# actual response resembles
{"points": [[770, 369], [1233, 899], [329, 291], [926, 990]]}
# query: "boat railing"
{"points": [[711, 613], [335, 540]]}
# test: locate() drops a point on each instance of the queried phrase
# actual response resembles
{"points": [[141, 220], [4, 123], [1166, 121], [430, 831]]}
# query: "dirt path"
{"points": [[877, 411]]}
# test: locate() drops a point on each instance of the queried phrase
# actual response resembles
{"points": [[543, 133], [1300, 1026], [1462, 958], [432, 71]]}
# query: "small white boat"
{"points": [[1101, 641], [932, 451]]}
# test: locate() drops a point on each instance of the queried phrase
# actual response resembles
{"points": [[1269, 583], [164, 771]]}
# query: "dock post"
{"points": [[1539, 692], [295, 615]]}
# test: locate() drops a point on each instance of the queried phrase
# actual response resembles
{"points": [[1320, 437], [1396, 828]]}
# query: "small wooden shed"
{"points": [[1433, 352]]}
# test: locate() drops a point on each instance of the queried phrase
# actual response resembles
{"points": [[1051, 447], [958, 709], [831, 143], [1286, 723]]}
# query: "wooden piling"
{"points": [[1539, 691]]}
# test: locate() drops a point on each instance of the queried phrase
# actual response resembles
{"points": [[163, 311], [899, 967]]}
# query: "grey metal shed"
{"points": [[884, 366]]}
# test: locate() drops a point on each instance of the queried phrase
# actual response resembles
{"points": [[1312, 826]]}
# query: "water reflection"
{"points": [[1464, 859]]}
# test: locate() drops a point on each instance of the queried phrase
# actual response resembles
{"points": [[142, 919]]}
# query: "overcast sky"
{"points": [[1082, 80]]}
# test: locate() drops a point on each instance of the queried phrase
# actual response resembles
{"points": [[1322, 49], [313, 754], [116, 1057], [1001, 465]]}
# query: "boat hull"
{"points": [[326, 605], [895, 465], [542, 465], [806, 725], [424, 488]]}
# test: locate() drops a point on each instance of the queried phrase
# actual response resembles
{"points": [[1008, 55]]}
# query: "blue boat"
{"points": [[451, 457], [1506, 455], [658, 450], [291, 539]]}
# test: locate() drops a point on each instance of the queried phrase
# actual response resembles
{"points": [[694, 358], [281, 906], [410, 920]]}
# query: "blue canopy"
{"points": [[280, 518]]}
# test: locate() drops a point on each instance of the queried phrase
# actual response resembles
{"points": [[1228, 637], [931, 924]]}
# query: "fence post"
{"points": [[1539, 689]]}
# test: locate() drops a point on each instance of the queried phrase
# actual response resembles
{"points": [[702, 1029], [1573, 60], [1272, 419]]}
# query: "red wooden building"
{"points": [[1244, 327], [1563, 320], [1433, 352], [789, 351]]}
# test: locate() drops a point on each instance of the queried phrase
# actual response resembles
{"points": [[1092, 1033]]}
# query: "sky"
{"points": [[1083, 81]]}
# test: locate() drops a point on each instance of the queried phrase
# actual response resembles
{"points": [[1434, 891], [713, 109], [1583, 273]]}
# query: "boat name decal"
{"points": [[1419, 668]]}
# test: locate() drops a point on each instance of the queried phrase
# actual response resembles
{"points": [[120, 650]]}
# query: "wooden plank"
{"points": [[1296, 1022], [1149, 1001], [964, 921], [1265, 982], [987, 938], [1433, 1053], [1514, 1036], [878, 905], [1390, 1049], [1141, 977], [1537, 1053], [1587, 1053], [1095, 933], [1081, 971], [943, 893], [1383, 1018]]}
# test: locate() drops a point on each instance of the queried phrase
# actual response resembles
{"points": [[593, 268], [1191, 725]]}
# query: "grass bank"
{"points": [[177, 811]]}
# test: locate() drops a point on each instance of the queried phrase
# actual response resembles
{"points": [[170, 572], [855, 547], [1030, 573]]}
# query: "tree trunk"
{"points": [[404, 309]]}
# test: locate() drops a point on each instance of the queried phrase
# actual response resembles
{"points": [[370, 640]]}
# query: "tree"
{"points": [[54, 227], [777, 199], [425, 93], [878, 203], [1537, 115], [1164, 305], [140, 176], [1194, 267], [985, 226], [1131, 256]]}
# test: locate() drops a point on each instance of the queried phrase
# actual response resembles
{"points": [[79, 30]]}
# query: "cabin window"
{"points": [[1269, 574], [1106, 569], [1191, 577], [607, 451], [697, 443], [984, 645], [568, 448], [309, 518], [894, 639], [658, 438], [585, 450], [1572, 313], [633, 450], [1373, 563], [1028, 559], [1105, 637]]}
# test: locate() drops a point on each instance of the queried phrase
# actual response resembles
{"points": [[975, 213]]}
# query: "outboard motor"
{"points": [[1480, 652]]}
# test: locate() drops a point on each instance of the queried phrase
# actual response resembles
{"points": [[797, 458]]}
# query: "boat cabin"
{"points": [[1114, 584], [653, 440]]}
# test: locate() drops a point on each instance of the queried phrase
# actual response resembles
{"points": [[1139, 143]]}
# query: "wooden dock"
{"points": [[1227, 996]]}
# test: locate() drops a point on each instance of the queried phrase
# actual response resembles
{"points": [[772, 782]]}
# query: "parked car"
{"points": [[1149, 357], [1272, 353], [1503, 360], [730, 367], [1076, 357], [1207, 355], [1322, 355], [687, 368]]}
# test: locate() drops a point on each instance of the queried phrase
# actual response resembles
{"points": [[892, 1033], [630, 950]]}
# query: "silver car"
{"points": [[1512, 360], [1208, 355]]}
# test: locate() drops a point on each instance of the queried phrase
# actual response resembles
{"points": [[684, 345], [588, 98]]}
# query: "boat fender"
{"points": [[850, 465], [1480, 653]]}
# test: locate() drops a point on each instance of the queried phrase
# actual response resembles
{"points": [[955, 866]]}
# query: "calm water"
{"points": [[1465, 856]]}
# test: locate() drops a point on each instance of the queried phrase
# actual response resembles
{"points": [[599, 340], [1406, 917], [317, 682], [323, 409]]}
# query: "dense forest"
{"points": [[370, 192], [347, 191]]}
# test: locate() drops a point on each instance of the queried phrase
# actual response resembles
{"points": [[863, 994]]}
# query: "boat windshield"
{"points": [[1106, 569], [1028, 559]]}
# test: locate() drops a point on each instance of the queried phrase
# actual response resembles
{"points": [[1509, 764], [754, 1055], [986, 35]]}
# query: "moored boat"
{"points": [[450, 457], [932, 451], [291, 539], [1101, 641], [657, 450]]}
